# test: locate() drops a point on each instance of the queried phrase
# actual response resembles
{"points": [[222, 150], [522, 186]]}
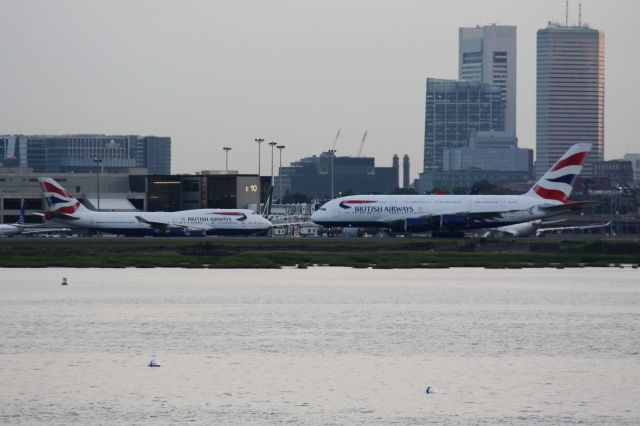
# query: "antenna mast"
{"points": [[580, 14], [566, 13]]}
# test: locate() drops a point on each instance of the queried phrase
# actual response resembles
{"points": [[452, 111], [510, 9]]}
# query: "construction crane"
{"points": [[335, 141], [364, 138]]}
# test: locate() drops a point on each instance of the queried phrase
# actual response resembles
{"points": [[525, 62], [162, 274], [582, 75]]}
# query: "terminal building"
{"points": [[83, 153], [316, 176], [135, 190]]}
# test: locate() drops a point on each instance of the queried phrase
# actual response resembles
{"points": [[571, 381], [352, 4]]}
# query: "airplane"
{"points": [[67, 210], [535, 228], [455, 213], [9, 230]]}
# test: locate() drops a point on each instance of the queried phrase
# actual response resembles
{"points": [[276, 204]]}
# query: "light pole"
{"points": [[259, 141], [332, 152], [98, 160], [226, 158], [272, 144], [280, 148]]}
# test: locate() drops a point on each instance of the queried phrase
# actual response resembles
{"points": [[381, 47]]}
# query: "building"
{"points": [[454, 110], [489, 151], [569, 94], [635, 165], [316, 176], [406, 171], [83, 153], [488, 54], [187, 192], [620, 172], [455, 181]]}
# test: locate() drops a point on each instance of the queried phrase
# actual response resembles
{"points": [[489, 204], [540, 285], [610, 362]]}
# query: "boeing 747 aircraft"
{"points": [[67, 210], [451, 213]]}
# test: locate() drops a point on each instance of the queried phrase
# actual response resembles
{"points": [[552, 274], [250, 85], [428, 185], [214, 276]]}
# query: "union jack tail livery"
{"points": [[557, 183], [59, 199]]}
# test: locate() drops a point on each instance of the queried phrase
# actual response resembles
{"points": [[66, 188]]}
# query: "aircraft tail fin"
{"points": [[58, 198], [266, 210], [557, 183], [20, 221]]}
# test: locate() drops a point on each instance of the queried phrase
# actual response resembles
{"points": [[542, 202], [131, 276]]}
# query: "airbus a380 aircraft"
{"points": [[424, 213], [67, 210]]}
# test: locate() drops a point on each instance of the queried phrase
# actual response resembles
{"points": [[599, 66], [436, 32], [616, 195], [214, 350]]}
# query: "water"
{"points": [[320, 346]]}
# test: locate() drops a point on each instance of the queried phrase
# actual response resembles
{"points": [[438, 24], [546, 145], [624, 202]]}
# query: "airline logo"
{"points": [[557, 183], [349, 203], [241, 216], [59, 199]]}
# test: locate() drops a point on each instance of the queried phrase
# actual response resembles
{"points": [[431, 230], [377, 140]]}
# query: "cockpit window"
{"points": [[323, 209]]}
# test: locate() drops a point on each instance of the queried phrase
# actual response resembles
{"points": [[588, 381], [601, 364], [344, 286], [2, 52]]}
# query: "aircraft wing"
{"points": [[565, 228], [163, 225], [276, 225], [43, 230]]}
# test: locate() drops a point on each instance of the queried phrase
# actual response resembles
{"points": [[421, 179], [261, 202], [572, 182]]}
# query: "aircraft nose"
{"points": [[317, 215]]}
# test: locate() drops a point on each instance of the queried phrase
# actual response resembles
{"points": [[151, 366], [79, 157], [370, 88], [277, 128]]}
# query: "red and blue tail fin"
{"points": [[58, 198], [557, 183]]}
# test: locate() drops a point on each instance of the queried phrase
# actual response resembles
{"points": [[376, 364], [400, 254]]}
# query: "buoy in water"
{"points": [[154, 363], [430, 390], [64, 281]]}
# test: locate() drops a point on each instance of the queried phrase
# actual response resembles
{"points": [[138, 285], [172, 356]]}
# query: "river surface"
{"points": [[320, 346]]}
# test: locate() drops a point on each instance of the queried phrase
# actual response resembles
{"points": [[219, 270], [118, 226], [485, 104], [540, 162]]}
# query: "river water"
{"points": [[320, 346]]}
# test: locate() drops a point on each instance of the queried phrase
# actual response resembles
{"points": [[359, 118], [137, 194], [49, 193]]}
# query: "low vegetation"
{"points": [[276, 253]]}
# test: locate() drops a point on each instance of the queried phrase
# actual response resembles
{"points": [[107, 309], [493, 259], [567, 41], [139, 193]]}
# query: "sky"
{"points": [[218, 73]]}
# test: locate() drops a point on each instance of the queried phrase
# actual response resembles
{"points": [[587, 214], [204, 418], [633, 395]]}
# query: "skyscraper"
{"points": [[405, 171], [488, 54], [455, 110], [569, 93]]}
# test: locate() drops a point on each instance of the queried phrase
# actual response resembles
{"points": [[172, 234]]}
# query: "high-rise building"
{"points": [[405, 171], [488, 54], [569, 94], [454, 110], [395, 163]]}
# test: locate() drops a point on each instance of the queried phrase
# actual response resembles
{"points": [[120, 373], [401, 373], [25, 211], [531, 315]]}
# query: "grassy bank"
{"points": [[275, 253]]}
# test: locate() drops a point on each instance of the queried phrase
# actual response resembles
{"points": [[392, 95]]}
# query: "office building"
{"points": [[454, 110], [406, 171], [78, 153], [569, 94], [313, 177], [488, 54], [494, 151], [635, 165]]}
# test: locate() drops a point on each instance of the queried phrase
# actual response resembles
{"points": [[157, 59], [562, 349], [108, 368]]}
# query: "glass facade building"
{"points": [[455, 110], [569, 94], [488, 54], [76, 153]]}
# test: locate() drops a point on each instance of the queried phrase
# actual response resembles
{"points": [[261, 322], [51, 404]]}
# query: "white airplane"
{"points": [[535, 227], [454, 213], [9, 230], [66, 209]]}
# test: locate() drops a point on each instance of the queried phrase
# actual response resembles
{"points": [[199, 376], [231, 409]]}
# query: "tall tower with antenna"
{"points": [[569, 93]]}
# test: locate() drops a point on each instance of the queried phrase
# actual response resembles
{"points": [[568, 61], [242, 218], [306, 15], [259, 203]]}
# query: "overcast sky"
{"points": [[216, 73]]}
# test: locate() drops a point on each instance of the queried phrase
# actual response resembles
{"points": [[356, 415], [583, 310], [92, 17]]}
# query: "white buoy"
{"points": [[154, 363], [430, 390], [64, 281]]}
